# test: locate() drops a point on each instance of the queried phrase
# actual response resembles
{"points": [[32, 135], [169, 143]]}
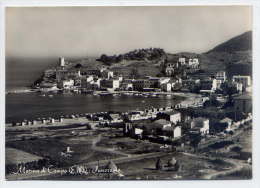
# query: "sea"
{"points": [[21, 73]]}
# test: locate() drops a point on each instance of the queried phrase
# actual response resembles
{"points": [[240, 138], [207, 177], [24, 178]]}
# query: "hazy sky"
{"points": [[83, 31]]}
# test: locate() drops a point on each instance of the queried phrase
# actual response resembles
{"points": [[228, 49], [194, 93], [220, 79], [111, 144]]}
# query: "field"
{"points": [[191, 168], [15, 156], [136, 159], [50, 143]]}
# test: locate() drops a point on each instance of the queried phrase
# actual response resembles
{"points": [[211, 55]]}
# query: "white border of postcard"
{"points": [[254, 183]]}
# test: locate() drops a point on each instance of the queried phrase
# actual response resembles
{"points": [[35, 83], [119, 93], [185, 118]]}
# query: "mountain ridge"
{"points": [[242, 42]]}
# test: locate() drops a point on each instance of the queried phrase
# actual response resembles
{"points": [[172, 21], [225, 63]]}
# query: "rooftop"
{"points": [[172, 112], [162, 122], [200, 119], [245, 96], [225, 120]]}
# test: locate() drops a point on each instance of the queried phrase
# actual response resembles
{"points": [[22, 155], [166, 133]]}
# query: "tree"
{"points": [[195, 88], [212, 101], [159, 165], [103, 58], [228, 88], [78, 66], [134, 73], [195, 140]]}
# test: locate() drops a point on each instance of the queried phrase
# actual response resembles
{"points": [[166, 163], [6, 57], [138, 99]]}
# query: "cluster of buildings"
{"points": [[189, 64], [214, 82], [179, 76], [166, 126], [69, 77]]}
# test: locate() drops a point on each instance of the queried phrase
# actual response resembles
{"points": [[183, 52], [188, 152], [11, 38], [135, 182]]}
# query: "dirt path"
{"points": [[237, 166]]}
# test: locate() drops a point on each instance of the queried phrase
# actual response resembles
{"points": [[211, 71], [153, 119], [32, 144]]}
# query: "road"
{"points": [[238, 165]]}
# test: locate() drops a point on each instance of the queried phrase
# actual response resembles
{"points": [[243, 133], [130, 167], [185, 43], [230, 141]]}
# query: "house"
{"points": [[173, 131], [154, 82], [66, 84], [134, 116], [161, 123], [244, 80], [63, 74], [220, 78], [172, 116], [109, 84], [177, 131], [193, 63], [160, 127], [116, 118], [243, 103], [208, 85], [141, 84], [138, 132], [227, 122], [107, 74], [62, 62], [239, 87], [166, 87], [200, 125], [182, 60], [170, 68], [132, 131]]}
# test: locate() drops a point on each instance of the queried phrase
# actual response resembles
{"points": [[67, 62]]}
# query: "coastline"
{"points": [[188, 99]]}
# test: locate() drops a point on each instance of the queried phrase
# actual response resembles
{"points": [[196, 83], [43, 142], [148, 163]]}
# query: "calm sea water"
{"points": [[21, 73], [32, 105]]}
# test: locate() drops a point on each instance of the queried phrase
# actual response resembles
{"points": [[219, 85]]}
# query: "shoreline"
{"points": [[189, 100]]}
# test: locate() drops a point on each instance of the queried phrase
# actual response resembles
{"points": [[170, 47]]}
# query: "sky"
{"points": [[92, 31]]}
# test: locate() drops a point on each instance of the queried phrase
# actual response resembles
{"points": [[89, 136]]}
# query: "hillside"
{"points": [[242, 42], [144, 62], [233, 56]]}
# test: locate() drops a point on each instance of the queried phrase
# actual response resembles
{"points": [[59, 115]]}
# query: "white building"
{"points": [[173, 116], [62, 61], [116, 118], [201, 125], [166, 87], [138, 131], [228, 123], [107, 74], [209, 85], [176, 132], [245, 80], [182, 60], [193, 62], [66, 84], [110, 84], [220, 78]]}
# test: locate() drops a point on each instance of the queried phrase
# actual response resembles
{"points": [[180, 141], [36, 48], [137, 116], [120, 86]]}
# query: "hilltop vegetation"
{"points": [[147, 54]]}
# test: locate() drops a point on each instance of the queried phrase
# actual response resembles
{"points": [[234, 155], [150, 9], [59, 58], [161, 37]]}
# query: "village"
{"points": [[215, 109]]}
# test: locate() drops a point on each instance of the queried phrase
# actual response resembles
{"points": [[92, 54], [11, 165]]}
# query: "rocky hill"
{"points": [[233, 56], [242, 42], [142, 62]]}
